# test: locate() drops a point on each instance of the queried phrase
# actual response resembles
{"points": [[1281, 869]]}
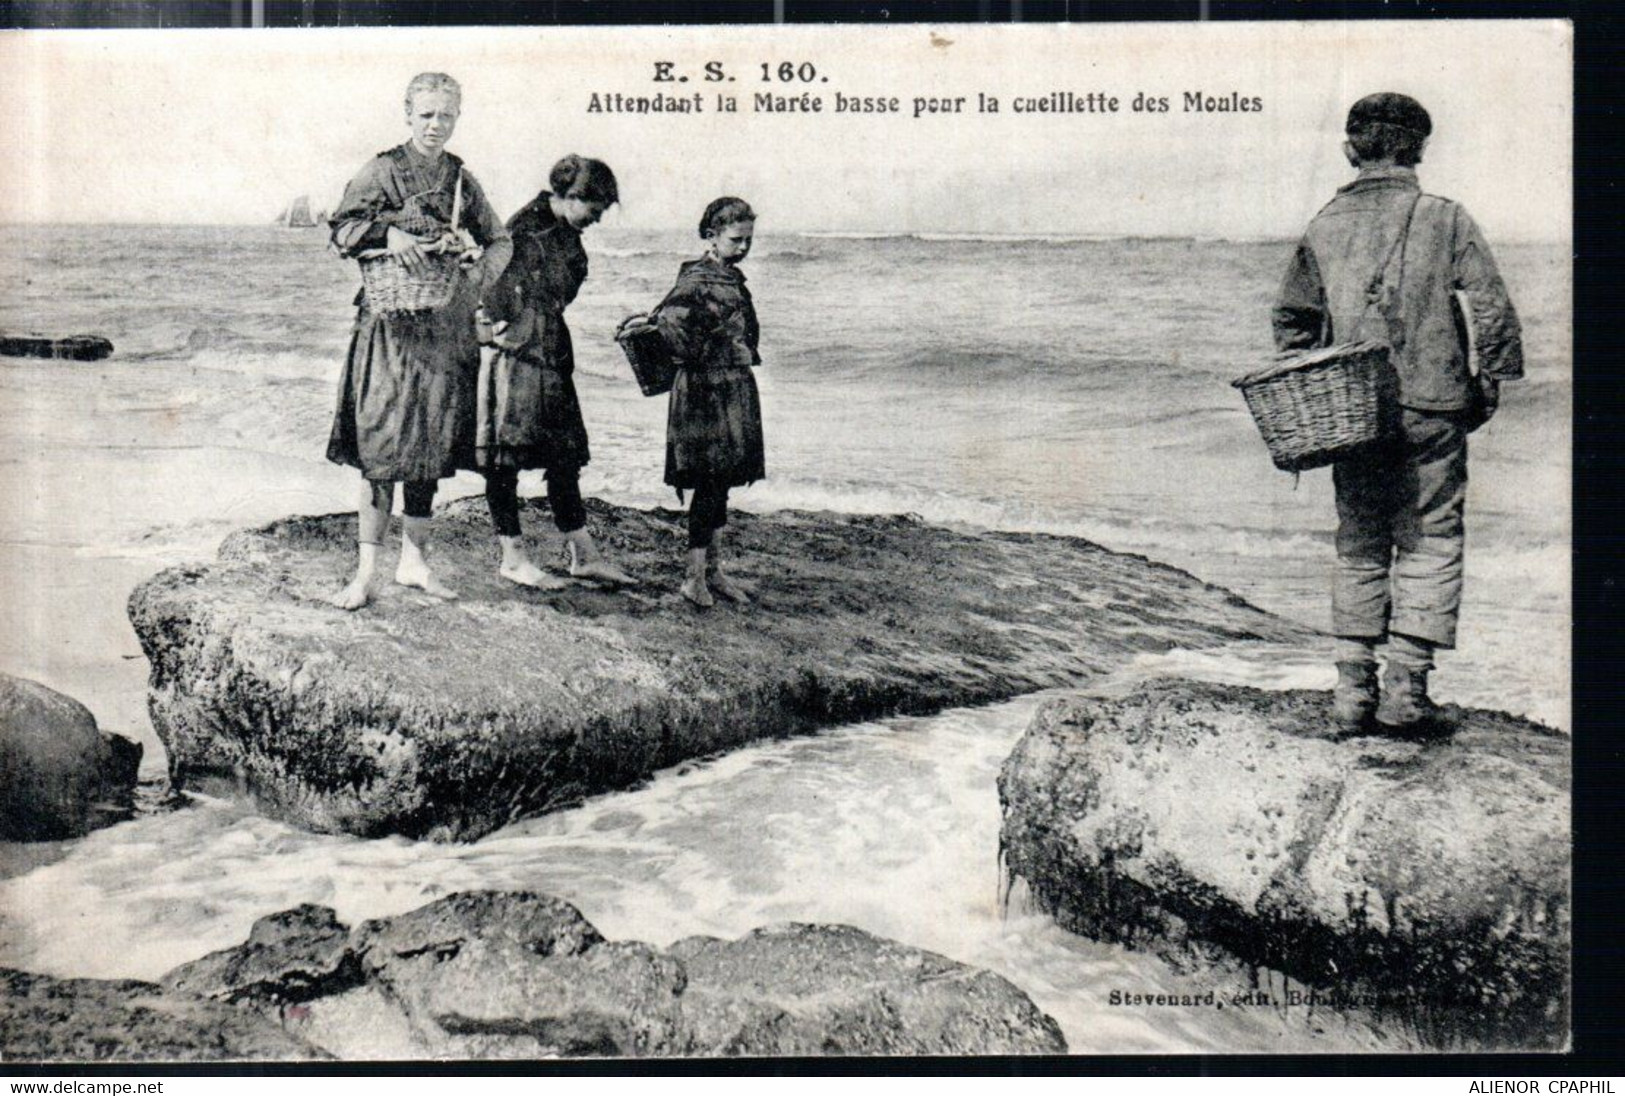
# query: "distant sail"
{"points": [[298, 215]]}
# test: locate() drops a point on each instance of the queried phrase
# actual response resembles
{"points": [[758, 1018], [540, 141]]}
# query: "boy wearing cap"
{"points": [[1384, 261]]}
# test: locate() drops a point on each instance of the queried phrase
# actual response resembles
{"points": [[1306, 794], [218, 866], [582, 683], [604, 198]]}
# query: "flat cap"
{"points": [[1392, 109]]}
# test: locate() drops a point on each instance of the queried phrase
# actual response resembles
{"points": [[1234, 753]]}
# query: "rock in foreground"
{"points": [[1424, 880], [451, 719], [59, 775], [514, 975], [91, 1020]]}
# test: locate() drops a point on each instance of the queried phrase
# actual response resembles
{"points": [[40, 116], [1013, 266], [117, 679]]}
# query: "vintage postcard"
{"points": [[785, 541]]}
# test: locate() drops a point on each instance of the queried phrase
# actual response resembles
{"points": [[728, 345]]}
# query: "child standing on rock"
{"points": [[529, 416], [714, 421], [1400, 503], [406, 400]]}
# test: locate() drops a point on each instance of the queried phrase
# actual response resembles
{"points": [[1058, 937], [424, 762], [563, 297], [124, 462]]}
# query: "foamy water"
{"points": [[889, 826], [1069, 386]]}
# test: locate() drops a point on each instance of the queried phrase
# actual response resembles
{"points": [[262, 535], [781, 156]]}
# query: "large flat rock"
{"points": [[1425, 880], [448, 720], [502, 974]]}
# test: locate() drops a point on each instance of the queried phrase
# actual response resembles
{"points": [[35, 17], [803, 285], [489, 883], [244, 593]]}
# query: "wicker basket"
{"points": [[646, 351], [392, 287], [1316, 408]]}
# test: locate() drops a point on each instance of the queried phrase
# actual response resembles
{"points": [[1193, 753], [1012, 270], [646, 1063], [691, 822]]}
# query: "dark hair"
{"points": [[589, 180], [1380, 141], [1388, 126], [724, 212]]}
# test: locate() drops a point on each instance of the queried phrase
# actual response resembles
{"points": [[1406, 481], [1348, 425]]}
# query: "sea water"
{"points": [[1063, 385]]}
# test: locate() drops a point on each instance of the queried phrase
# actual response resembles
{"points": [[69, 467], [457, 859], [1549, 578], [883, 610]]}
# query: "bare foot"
{"points": [[694, 590], [526, 573], [728, 588], [353, 596], [601, 570], [420, 577]]}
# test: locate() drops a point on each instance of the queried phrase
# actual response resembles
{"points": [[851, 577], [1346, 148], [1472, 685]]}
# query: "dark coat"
{"points": [[406, 399], [529, 416], [714, 422], [1324, 296]]}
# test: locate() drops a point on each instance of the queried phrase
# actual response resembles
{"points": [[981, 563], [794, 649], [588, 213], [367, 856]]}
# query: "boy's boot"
{"points": [[1405, 701], [1354, 701], [1355, 697]]}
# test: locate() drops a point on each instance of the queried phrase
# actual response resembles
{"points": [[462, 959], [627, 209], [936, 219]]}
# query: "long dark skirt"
{"points": [[528, 414], [406, 399], [714, 428]]}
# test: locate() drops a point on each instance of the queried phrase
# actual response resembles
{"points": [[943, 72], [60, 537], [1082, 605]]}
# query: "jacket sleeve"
{"points": [[685, 322], [488, 231], [507, 300], [1496, 333], [361, 221], [1300, 319], [505, 297]]}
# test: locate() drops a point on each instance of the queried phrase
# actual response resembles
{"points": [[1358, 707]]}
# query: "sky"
{"points": [[227, 126]]}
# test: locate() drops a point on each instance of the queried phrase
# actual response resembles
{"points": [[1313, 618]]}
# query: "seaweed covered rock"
{"points": [[451, 719], [289, 957], [800, 989], [59, 775], [497, 974], [1423, 879], [45, 1019]]}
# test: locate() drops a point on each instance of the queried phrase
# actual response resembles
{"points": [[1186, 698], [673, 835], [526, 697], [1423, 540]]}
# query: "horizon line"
{"points": [[946, 235]]}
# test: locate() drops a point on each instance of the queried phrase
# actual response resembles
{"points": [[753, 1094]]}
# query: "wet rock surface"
{"points": [[46, 1019], [60, 776], [1422, 879], [496, 974], [450, 719]]}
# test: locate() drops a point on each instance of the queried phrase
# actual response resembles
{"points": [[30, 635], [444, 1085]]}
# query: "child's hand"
{"points": [[409, 249], [445, 244], [512, 336]]}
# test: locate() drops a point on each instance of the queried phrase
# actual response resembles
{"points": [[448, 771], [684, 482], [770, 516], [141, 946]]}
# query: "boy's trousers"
{"points": [[1400, 533]]}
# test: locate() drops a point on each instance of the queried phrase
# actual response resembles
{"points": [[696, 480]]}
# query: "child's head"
{"points": [[728, 226], [1387, 128], [586, 188], [433, 103]]}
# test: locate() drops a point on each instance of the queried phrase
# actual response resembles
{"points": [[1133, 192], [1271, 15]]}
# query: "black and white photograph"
{"points": [[786, 541]]}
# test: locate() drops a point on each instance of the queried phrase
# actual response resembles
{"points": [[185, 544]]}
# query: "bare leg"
{"points": [[413, 569], [517, 567], [586, 561], [359, 590], [372, 518], [693, 587]]}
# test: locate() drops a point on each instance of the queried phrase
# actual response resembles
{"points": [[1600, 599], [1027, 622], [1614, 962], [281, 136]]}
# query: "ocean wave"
{"points": [[161, 341], [1136, 533], [789, 255], [640, 252], [777, 254], [1023, 361], [1012, 237]]}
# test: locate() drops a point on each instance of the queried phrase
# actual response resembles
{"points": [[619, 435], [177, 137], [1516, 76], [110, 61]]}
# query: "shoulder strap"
{"points": [[1374, 291]]}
